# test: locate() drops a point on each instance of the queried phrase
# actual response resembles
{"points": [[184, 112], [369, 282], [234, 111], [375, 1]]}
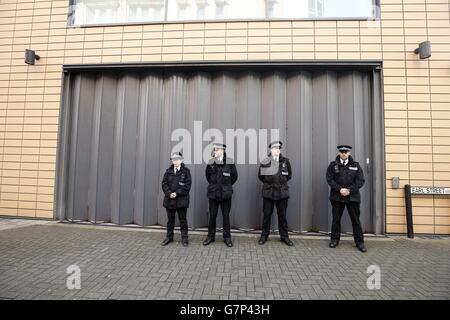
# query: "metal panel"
{"points": [[299, 140], [103, 134], [199, 99], [377, 165], [346, 123], [121, 127], [223, 116], [81, 149], [354, 122], [362, 152], [273, 113], [125, 150], [325, 136], [151, 105], [247, 188], [63, 153], [173, 117], [93, 175]]}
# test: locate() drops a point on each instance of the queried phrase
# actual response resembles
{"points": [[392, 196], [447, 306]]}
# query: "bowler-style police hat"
{"points": [[176, 156], [344, 147], [219, 146], [276, 144]]}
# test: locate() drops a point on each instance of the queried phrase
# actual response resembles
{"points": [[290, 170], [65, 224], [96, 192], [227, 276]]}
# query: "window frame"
{"points": [[70, 18]]}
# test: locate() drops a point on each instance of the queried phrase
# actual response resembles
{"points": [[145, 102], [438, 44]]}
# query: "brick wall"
{"points": [[416, 93]]}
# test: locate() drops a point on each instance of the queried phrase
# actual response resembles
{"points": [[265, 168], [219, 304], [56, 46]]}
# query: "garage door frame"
{"points": [[377, 116]]}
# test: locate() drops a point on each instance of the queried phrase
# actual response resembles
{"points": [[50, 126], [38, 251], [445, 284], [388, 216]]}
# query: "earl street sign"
{"points": [[430, 190]]}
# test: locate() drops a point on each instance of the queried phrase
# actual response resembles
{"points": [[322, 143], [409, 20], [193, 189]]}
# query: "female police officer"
{"points": [[176, 185]]}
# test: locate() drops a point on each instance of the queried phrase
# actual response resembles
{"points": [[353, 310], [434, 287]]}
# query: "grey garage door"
{"points": [[120, 126]]}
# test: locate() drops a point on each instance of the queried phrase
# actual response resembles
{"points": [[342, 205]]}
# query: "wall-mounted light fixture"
{"points": [[30, 56], [424, 50]]}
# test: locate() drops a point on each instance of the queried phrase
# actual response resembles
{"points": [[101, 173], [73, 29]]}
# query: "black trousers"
{"points": [[171, 222], [225, 206], [268, 206], [353, 211]]}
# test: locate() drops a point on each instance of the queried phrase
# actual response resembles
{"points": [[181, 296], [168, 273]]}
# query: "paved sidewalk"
{"points": [[11, 223], [128, 264]]}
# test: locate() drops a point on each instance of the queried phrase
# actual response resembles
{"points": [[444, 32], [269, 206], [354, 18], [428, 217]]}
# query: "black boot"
{"points": [[287, 241], [166, 241], [262, 240], [185, 242], [361, 247], [228, 242], [333, 244], [208, 241]]}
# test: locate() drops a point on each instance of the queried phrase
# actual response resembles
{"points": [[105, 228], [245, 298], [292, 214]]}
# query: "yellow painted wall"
{"points": [[416, 93]]}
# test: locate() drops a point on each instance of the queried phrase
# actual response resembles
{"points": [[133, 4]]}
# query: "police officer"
{"points": [[176, 185], [345, 177], [221, 174], [274, 173]]}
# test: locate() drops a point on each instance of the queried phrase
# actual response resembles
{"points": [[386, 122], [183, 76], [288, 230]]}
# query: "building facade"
{"points": [[79, 128]]}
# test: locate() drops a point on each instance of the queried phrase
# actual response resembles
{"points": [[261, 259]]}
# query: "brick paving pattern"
{"points": [[118, 264]]}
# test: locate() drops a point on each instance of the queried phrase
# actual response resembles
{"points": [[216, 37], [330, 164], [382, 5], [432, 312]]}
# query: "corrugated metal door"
{"points": [[121, 125]]}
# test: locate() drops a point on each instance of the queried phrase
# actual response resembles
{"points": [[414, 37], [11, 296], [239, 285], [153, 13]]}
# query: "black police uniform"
{"points": [[275, 192], [221, 176], [180, 183], [349, 176]]}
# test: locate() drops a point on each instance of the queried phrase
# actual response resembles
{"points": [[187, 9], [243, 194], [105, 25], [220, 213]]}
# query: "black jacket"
{"points": [[350, 177], [180, 183], [275, 183], [221, 177]]}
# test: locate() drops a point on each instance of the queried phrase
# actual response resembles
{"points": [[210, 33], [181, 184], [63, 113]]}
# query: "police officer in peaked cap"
{"points": [[345, 177], [176, 185], [275, 172], [221, 174]]}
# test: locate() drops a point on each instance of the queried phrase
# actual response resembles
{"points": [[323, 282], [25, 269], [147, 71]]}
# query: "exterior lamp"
{"points": [[424, 50]]}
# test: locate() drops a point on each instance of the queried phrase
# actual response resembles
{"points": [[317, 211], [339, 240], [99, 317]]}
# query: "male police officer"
{"points": [[221, 174], [345, 177], [176, 185], [274, 173]]}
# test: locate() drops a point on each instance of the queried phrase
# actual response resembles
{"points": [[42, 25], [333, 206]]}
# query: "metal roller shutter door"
{"points": [[120, 127]]}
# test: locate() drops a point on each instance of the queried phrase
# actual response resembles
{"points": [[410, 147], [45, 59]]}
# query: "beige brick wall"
{"points": [[416, 93]]}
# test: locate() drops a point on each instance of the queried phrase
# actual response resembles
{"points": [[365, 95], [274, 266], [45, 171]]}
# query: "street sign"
{"points": [[430, 190], [411, 191]]}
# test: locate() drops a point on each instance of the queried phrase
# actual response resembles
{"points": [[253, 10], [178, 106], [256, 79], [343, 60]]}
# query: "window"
{"points": [[100, 11], [189, 10], [201, 9], [84, 12], [220, 9], [271, 8], [347, 8], [143, 10], [182, 9], [315, 8]]}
